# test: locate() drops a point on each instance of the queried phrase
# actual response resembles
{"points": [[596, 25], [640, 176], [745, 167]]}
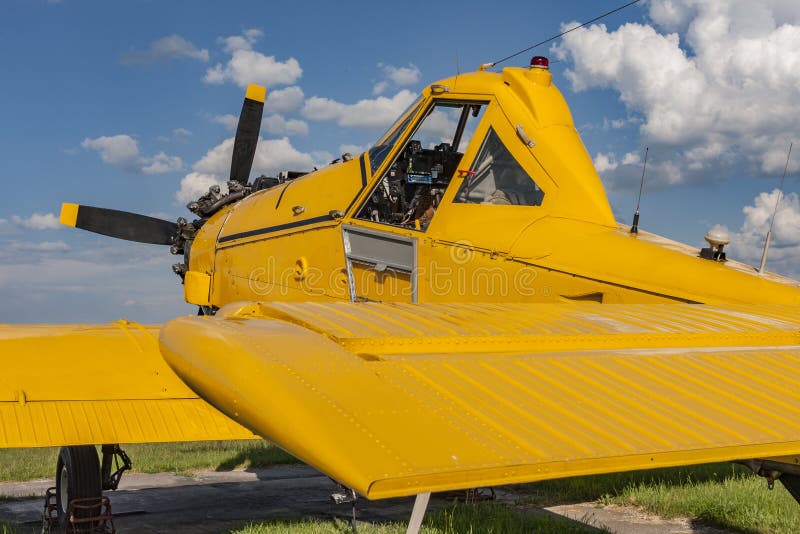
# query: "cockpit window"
{"points": [[498, 178], [386, 141], [410, 190]]}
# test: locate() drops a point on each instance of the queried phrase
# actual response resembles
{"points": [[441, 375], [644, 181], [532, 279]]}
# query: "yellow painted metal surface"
{"points": [[197, 288], [70, 384], [399, 399], [69, 214], [256, 92]]}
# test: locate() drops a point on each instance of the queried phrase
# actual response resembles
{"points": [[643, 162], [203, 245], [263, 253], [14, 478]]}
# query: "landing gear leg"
{"points": [[792, 484], [418, 513], [77, 477], [345, 495], [787, 473], [113, 456]]}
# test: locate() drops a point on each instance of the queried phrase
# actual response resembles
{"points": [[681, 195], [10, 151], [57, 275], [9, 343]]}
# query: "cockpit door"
{"points": [[499, 189], [381, 266]]}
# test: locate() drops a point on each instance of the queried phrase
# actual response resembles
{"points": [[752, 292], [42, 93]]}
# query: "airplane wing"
{"points": [[71, 385], [394, 399]]}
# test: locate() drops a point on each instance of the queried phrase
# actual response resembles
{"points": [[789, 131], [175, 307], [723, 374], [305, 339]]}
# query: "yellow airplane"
{"points": [[455, 307]]}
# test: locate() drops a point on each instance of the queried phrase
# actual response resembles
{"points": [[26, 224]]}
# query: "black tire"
{"points": [[77, 477]]}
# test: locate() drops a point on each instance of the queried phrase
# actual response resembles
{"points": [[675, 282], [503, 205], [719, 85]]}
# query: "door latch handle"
{"points": [[524, 137]]}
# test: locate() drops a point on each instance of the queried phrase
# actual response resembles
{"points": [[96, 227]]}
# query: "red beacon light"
{"points": [[540, 62]]}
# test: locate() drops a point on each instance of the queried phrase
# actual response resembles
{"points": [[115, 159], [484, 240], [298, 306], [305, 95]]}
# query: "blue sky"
{"points": [[128, 105]]}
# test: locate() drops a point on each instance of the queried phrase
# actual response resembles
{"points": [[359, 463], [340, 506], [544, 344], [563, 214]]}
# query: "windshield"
{"points": [[411, 188], [386, 141]]}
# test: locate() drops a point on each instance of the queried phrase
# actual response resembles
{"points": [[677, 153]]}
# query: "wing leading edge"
{"points": [[401, 399], [72, 385]]}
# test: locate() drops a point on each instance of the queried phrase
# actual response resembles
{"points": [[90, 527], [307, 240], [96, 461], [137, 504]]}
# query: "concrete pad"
{"points": [[218, 501], [630, 520], [211, 501]]}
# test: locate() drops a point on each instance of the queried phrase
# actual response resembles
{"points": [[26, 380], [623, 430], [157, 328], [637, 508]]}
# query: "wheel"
{"points": [[77, 477]]}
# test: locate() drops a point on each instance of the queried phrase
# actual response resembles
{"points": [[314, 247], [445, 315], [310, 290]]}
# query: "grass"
{"points": [[600, 487], [179, 458], [483, 518], [723, 495], [736, 500]]}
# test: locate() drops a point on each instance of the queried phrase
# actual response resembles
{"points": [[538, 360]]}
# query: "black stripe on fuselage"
{"points": [[277, 228]]}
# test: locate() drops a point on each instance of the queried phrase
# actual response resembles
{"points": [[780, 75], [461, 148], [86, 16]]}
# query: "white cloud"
{"points": [[716, 94], [670, 15], [438, 127], [626, 171], [355, 150], [272, 124], [631, 158], [277, 125], [748, 243], [284, 100], [215, 74], [44, 246], [241, 42], [368, 113], [321, 158], [275, 155], [380, 87], [216, 161], [178, 134], [616, 124], [228, 120], [605, 162], [37, 221], [92, 280], [403, 75], [398, 76], [122, 151], [161, 163], [166, 49], [248, 66], [117, 150], [196, 184]]}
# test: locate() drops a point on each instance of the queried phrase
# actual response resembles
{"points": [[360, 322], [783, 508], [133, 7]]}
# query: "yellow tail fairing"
{"points": [[400, 399], [71, 385]]}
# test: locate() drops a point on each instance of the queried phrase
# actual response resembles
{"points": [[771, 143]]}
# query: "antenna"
{"points": [[458, 67], [635, 225], [774, 212], [604, 15]]}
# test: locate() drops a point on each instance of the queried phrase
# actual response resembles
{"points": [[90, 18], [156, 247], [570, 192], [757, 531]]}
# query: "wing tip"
{"points": [[69, 214], [256, 92]]}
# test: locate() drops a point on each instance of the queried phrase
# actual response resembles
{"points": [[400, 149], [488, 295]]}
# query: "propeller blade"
{"points": [[119, 224], [244, 146]]}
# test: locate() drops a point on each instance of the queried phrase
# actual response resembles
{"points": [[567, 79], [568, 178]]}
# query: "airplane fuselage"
{"points": [[508, 208]]}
